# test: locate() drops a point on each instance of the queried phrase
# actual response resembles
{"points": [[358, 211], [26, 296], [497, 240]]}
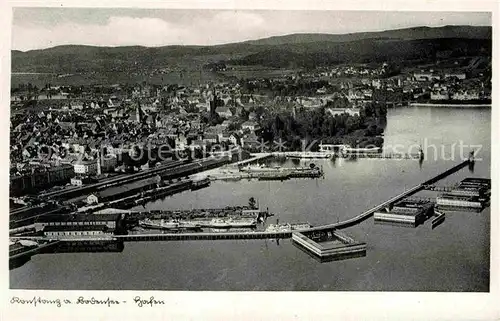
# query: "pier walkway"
{"points": [[254, 158]]}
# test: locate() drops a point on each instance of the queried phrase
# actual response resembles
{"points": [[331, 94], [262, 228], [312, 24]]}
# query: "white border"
{"points": [[264, 305]]}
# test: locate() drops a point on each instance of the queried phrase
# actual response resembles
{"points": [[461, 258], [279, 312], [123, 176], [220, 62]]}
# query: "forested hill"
{"points": [[298, 50]]}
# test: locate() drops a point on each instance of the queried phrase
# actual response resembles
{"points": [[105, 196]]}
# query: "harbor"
{"points": [[325, 241], [349, 188]]}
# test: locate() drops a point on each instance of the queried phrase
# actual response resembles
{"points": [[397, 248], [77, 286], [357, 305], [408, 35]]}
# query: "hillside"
{"points": [[464, 32], [365, 51], [298, 50]]}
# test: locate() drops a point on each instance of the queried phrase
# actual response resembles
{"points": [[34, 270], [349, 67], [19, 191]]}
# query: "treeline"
{"points": [[321, 125], [288, 87]]}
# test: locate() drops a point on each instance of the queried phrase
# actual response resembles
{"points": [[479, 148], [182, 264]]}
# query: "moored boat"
{"points": [[229, 223], [167, 225]]}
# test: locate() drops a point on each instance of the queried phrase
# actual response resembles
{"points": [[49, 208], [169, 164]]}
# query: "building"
{"points": [[41, 177], [340, 111], [459, 75], [72, 232], [465, 95], [108, 163], [80, 180], [407, 212], [89, 167], [111, 221], [451, 200], [470, 193], [224, 112], [235, 139], [440, 95], [211, 138], [425, 76], [250, 125]]}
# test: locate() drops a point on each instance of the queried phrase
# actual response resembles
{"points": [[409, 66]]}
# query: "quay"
{"points": [[283, 174], [205, 236], [169, 171]]}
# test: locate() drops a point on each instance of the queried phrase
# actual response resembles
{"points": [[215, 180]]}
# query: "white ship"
{"points": [[287, 227], [167, 225], [261, 168], [229, 223]]}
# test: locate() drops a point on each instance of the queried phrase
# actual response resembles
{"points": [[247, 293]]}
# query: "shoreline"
{"points": [[451, 105]]}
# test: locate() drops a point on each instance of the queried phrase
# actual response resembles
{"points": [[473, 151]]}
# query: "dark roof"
{"points": [[58, 228], [78, 218], [127, 187]]}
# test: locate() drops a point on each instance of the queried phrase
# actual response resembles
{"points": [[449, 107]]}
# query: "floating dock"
{"points": [[337, 245], [473, 193], [408, 212]]}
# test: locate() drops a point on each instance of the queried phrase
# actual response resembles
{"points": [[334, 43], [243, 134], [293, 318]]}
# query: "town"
{"points": [[100, 148], [78, 134]]}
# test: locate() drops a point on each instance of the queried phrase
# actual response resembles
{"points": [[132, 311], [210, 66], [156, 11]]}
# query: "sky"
{"points": [[38, 28]]}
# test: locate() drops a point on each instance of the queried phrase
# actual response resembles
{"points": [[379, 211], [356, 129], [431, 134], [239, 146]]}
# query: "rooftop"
{"points": [[78, 218], [61, 228]]}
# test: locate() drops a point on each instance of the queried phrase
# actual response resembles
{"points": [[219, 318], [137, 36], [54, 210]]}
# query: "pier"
{"points": [[205, 236], [254, 158], [278, 174]]}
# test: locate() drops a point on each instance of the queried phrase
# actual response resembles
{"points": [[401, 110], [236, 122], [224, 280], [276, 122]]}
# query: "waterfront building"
{"points": [[75, 231], [408, 212], [469, 193], [440, 95], [451, 200], [111, 221]]}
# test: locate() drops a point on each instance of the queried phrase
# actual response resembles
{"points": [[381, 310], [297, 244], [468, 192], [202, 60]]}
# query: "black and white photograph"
{"points": [[170, 149]]}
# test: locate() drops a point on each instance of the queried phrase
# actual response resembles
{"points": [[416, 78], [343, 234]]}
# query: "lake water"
{"points": [[452, 257]]}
